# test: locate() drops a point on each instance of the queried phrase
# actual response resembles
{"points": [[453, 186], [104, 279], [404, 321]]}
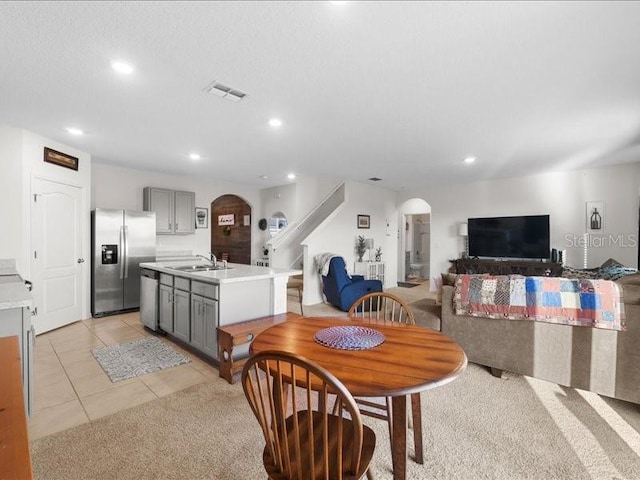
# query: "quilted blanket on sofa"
{"points": [[580, 302]]}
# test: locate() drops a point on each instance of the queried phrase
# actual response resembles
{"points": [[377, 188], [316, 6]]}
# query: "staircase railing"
{"points": [[285, 248]]}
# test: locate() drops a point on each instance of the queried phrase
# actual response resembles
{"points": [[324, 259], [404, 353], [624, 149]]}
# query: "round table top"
{"points": [[410, 360]]}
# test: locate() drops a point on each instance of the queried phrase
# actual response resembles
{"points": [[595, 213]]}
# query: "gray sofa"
{"points": [[602, 361]]}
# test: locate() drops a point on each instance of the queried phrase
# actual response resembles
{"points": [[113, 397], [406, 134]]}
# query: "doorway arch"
{"points": [[414, 242], [234, 236]]}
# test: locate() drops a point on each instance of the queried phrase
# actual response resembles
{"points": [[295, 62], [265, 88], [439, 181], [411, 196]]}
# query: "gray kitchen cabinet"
{"points": [[165, 310], [185, 212], [204, 323], [189, 311], [175, 210], [181, 317], [17, 322], [173, 306]]}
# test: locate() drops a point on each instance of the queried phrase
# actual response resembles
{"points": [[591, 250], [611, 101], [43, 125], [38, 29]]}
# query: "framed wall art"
{"points": [[364, 221], [227, 220], [61, 159], [595, 217], [202, 218]]}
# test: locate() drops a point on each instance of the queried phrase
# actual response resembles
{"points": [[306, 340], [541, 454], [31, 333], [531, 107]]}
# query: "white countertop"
{"points": [[13, 292], [235, 273]]}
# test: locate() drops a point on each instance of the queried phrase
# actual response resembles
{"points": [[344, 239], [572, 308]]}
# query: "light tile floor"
{"points": [[71, 388]]}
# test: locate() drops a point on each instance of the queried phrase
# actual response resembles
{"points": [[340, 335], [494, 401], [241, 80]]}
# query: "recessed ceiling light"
{"points": [[123, 68], [291, 176], [469, 160], [275, 122], [74, 131], [194, 156]]}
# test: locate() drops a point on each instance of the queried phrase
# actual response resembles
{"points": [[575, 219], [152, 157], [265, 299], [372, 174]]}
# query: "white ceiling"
{"points": [[398, 90]]}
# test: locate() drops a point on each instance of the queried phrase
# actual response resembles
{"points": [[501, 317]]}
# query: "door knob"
{"points": [[81, 260]]}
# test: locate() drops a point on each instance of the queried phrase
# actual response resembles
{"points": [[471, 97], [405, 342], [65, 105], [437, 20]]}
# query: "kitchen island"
{"points": [[15, 320], [193, 300]]}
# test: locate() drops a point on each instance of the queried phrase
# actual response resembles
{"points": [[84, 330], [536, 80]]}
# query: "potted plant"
{"points": [[361, 247], [378, 254]]}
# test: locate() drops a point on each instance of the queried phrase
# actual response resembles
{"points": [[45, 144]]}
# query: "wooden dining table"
{"points": [[411, 360]]}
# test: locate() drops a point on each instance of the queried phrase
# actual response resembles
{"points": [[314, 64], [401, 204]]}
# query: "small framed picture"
{"points": [[202, 218], [595, 217], [59, 158], [227, 220], [364, 221]]}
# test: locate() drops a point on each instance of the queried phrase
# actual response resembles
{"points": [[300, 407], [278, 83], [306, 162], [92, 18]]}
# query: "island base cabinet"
{"points": [[191, 310], [17, 322], [204, 323], [181, 317], [165, 310]]}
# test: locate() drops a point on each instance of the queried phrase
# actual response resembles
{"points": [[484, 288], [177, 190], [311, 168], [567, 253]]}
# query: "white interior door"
{"points": [[57, 259]]}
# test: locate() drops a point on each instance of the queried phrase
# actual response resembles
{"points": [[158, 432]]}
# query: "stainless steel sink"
{"points": [[200, 268]]}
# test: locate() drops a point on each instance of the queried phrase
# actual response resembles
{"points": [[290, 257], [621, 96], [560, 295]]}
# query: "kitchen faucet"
{"points": [[213, 260]]}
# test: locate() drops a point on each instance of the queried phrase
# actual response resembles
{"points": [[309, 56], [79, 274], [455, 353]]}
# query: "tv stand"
{"points": [[504, 266]]}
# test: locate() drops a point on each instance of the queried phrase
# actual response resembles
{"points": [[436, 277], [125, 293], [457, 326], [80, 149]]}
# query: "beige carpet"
{"points": [[478, 427]]}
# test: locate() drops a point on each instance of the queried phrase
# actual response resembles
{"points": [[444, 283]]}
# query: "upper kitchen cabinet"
{"points": [[175, 210]]}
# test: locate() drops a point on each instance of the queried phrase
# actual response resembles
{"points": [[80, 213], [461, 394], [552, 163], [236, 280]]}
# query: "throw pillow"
{"points": [[615, 272], [578, 273], [611, 263]]}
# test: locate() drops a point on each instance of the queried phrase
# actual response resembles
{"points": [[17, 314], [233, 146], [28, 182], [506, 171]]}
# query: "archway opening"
{"points": [[414, 242], [231, 229]]}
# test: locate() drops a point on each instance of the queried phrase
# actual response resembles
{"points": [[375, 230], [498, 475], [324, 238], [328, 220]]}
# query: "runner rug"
{"points": [[139, 357]]}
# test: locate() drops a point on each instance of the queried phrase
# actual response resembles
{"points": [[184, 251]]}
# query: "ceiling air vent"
{"points": [[375, 179], [222, 91]]}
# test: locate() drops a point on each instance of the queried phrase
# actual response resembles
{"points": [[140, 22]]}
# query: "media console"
{"points": [[529, 268]]}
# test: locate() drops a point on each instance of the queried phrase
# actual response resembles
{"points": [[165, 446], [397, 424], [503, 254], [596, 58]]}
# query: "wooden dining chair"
{"points": [[304, 439], [384, 306]]}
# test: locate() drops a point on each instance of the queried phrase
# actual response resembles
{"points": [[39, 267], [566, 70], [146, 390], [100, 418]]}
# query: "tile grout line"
{"points": [[64, 369]]}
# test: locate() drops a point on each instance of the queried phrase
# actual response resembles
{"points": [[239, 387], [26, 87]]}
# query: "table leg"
{"points": [[399, 441], [416, 413]]}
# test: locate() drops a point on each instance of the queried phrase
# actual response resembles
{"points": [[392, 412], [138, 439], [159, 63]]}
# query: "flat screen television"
{"points": [[524, 237]]}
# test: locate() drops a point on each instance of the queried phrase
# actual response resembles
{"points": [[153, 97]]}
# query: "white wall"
{"points": [[562, 195], [21, 161], [11, 195], [339, 234], [117, 187], [310, 191], [278, 199], [35, 167]]}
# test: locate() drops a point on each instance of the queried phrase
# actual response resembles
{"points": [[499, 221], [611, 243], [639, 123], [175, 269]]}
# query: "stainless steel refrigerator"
{"points": [[121, 240]]}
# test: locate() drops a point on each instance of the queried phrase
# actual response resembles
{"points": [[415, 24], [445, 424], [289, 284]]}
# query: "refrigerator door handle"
{"points": [[121, 259], [126, 252]]}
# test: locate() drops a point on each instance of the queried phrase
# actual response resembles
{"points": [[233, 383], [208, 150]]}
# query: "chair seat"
{"points": [[369, 441]]}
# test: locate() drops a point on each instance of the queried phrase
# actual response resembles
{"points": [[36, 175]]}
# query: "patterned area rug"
{"points": [[136, 358]]}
